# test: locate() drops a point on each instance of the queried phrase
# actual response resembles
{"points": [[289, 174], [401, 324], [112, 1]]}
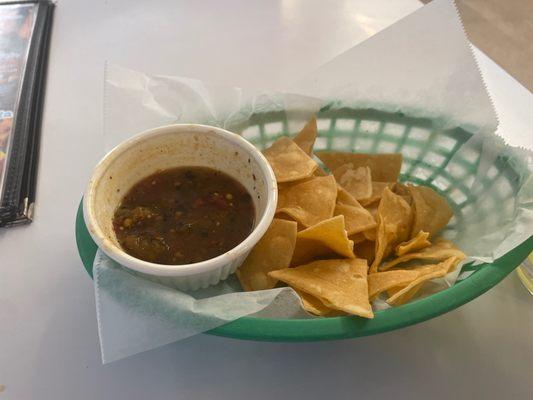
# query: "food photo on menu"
{"points": [[368, 193]]}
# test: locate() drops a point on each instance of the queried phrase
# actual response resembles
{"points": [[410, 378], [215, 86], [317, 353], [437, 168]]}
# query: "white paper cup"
{"points": [[169, 147]]}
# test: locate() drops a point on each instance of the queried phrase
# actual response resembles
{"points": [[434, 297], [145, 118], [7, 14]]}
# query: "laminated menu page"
{"points": [[24, 32]]}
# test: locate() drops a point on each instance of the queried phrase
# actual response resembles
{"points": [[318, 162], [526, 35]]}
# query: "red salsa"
{"points": [[183, 215]]}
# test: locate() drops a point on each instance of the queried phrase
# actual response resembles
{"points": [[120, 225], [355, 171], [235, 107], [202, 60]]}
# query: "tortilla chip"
{"points": [[357, 238], [312, 304], [308, 202], [422, 270], [394, 225], [384, 167], [382, 281], [289, 162], [307, 136], [418, 242], [320, 171], [431, 210], [377, 191], [327, 239], [406, 296], [400, 189], [356, 217], [442, 249], [343, 197], [339, 284], [356, 181], [273, 251], [370, 234], [366, 250], [373, 210], [438, 271]]}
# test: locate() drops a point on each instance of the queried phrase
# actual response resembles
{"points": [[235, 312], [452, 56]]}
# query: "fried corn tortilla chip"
{"points": [[439, 271], [442, 249], [373, 210], [431, 210], [320, 172], [356, 217], [405, 296], [343, 197], [395, 280], [305, 139], [418, 242], [310, 201], [339, 284], [289, 162], [356, 181], [382, 281], [273, 251], [370, 234], [384, 167], [365, 249], [357, 238], [400, 189], [399, 283], [312, 304], [377, 191], [394, 225], [327, 239]]}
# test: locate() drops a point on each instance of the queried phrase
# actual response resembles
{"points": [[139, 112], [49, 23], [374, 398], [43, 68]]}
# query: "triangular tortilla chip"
{"points": [[356, 217], [356, 181], [439, 271], [370, 234], [394, 225], [441, 250], [382, 281], [320, 171], [418, 242], [309, 201], [395, 280], [365, 249], [384, 167], [400, 189], [343, 197], [373, 210], [377, 191], [432, 212], [327, 239], [273, 251], [357, 238], [312, 304], [338, 284], [405, 296], [307, 136], [289, 162]]}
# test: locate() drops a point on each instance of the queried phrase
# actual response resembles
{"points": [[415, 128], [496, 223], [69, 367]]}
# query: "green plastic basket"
{"points": [[427, 160]]}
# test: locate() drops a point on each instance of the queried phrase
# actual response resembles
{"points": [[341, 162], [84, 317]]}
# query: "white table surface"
{"points": [[48, 337]]}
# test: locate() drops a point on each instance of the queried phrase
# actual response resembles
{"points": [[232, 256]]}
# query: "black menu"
{"points": [[24, 33]]}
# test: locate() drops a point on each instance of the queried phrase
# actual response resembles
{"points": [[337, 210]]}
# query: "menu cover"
{"points": [[24, 33]]}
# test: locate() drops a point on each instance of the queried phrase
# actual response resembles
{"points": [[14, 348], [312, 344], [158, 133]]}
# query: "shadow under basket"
{"points": [[446, 160]]}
